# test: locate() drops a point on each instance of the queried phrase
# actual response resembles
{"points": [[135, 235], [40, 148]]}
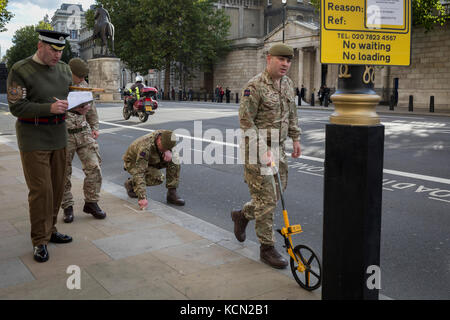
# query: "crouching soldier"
{"points": [[144, 159]]}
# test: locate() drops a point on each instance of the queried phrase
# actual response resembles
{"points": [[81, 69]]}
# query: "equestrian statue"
{"points": [[103, 29]]}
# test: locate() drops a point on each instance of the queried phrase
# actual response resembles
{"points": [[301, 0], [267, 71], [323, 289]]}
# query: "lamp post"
{"points": [[284, 14]]}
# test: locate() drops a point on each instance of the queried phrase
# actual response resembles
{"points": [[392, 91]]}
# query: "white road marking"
{"points": [[439, 199], [387, 171]]}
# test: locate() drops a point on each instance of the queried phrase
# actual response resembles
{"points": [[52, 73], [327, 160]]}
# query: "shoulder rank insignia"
{"points": [[246, 92], [142, 154]]}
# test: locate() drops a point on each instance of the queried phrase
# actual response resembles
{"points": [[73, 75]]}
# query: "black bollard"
{"points": [[353, 181], [431, 103], [299, 100], [312, 99], [392, 102], [237, 97], [410, 104]]}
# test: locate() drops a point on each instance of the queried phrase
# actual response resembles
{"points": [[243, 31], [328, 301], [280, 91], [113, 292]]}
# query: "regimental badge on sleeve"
{"points": [[15, 93], [246, 92]]}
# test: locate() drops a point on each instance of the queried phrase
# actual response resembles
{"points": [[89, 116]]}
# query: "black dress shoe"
{"points": [[94, 209], [68, 214], [60, 238], [40, 253]]}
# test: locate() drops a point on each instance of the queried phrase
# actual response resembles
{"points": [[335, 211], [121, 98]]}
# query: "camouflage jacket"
{"points": [[141, 154], [90, 120], [263, 106]]}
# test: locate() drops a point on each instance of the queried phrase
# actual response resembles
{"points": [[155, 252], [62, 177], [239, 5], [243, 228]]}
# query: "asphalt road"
{"points": [[415, 239]]}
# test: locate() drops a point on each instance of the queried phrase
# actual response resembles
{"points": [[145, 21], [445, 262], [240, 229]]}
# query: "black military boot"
{"points": [[129, 187], [68, 214], [173, 198], [240, 223], [269, 255], [94, 209]]}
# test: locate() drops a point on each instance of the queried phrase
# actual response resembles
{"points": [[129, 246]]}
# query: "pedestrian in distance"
{"points": [[144, 159], [267, 104], [227, 94], [302, 93], [83, 131], [221, 93], [37, 89]]}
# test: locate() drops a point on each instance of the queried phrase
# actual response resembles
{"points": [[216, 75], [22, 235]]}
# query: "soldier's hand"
{"points": [[95, 134], [83, 109], [59, 107], [143, 204], [297, 150], [167, 156], [267, 158]]}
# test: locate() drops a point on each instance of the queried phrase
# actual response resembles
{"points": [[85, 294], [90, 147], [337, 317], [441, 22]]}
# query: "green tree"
{"points": [[67, 53], [156, 34], [426, 13], [5, 15]]}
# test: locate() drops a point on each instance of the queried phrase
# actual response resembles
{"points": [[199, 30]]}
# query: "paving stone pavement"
{"points": [[158, 254]]}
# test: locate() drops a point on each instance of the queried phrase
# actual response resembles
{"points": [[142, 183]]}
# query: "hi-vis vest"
{"points": [[137, 92]]}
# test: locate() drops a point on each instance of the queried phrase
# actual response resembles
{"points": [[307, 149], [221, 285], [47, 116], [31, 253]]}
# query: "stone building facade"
{"points": [[429, 72], [70, 18]]}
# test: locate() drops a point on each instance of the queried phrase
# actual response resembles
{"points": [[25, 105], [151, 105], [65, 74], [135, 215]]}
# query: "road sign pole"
{"points": [[353, 189]]}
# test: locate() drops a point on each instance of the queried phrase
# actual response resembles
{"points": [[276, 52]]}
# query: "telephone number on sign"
{"points": [[371, 36]]}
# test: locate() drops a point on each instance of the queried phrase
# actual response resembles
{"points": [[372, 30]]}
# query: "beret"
{"points": [[166, 140], [79, 67], [281, 49]]}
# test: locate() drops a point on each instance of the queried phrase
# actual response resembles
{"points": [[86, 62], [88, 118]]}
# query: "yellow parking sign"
{"points": [[366, 32]]}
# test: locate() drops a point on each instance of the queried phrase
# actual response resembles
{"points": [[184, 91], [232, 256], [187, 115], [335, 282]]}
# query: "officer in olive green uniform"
{"points": [[143, 160], [83, 130], [268, 110], [37, 91]]}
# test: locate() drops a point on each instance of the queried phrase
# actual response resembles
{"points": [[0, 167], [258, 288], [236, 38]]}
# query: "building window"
{"points": [[73, 34], [269, 2]]}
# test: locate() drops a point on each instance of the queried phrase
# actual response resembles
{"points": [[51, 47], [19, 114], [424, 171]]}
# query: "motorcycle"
{"points": [[142, 107]]}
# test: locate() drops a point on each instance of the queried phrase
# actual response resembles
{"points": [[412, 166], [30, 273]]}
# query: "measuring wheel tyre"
{"points": [[143, 116], [311, 278], [126, 113]]}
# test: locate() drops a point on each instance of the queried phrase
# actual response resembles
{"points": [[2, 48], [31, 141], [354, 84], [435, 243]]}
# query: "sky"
{"points": [[30, 12]]}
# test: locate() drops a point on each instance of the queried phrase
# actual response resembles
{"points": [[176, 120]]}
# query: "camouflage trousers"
{"points": [[264, 192], [154, 176], [87, 150]]}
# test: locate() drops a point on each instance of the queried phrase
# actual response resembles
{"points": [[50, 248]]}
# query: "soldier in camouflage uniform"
{"points": [[143, 160], [267, 106], [83, 130]]}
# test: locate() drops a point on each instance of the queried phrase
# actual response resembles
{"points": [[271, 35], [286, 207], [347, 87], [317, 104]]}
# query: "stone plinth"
{"points": [[105, 73]]}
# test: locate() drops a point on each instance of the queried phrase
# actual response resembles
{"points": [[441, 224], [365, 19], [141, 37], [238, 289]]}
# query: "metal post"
{"points": [[410, 104], [312, 99], [431, 103], [353, 178], [237, 97], [284, 18]]}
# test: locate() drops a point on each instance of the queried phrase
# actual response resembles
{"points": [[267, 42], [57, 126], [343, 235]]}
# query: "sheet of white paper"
{"points": [[77, 98]]}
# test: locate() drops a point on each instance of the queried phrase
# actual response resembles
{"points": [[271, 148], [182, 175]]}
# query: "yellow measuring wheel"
{"points": [[305, 264]]}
